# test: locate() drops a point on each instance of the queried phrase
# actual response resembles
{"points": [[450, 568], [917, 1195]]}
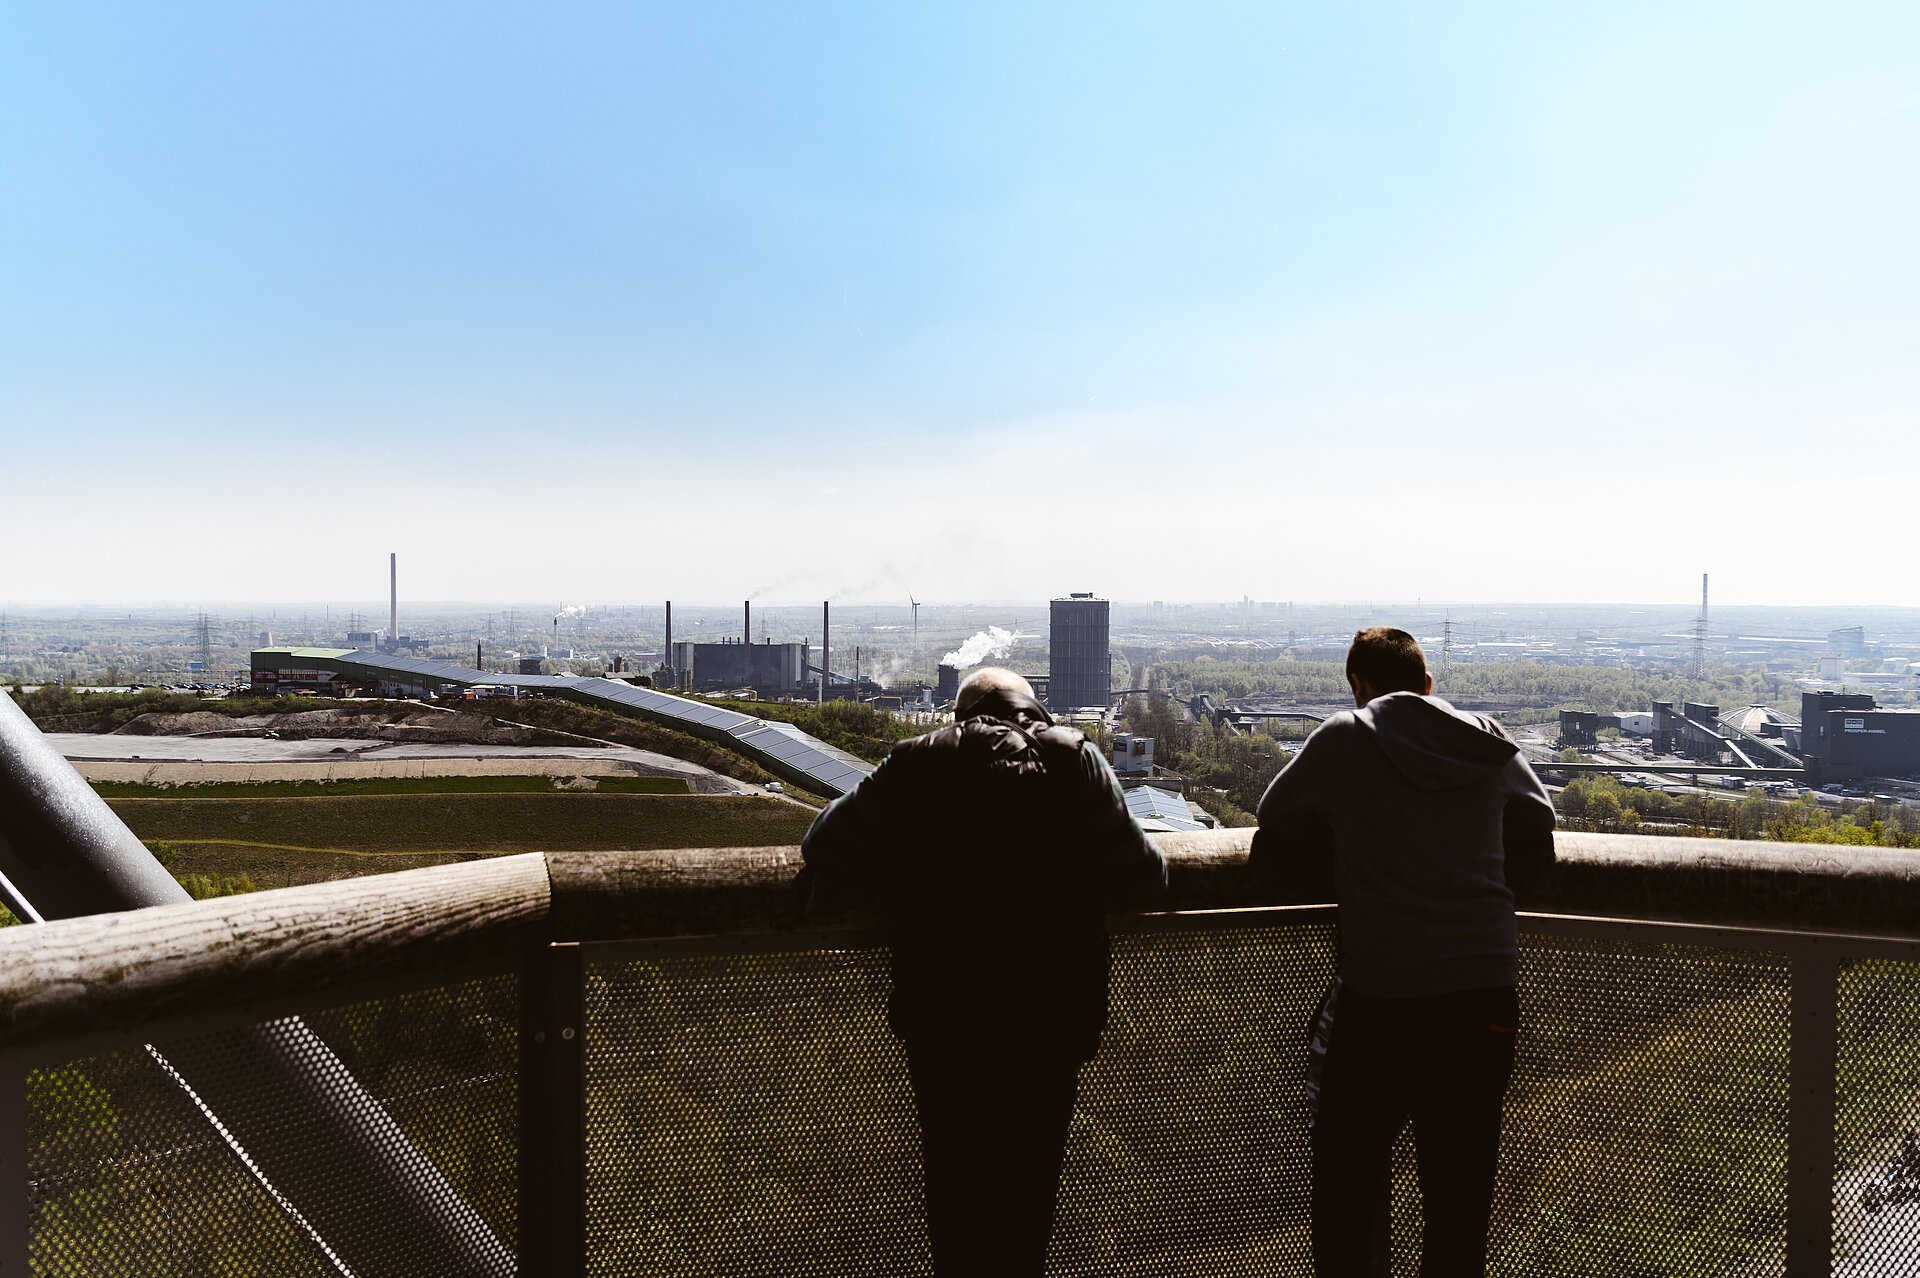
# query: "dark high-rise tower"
{"points": [[1077, 669]]}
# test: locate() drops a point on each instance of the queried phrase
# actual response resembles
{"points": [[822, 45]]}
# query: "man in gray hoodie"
{"points": [[1421, 820]]}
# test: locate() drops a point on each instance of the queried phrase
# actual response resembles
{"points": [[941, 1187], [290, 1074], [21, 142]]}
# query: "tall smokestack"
{"points": [[668, 663], [1699, 670], [747, 620], [393, 585], [823, 651]]}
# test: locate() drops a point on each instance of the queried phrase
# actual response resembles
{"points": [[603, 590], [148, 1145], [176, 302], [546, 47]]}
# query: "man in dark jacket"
{"points": [[999, 843], [1421, 819]]}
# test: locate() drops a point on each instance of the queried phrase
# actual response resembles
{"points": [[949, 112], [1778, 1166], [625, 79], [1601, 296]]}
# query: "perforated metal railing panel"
{"points": [[1646, 1129], [751, 1115], [1189, 1149], [748, 1115], [127, 1175], [1876, 1209]]}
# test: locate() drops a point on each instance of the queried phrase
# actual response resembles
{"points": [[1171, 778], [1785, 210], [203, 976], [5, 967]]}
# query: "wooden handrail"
{"points": [[110, 971]]}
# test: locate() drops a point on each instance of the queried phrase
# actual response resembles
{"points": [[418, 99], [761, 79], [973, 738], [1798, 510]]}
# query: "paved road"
{"points": [[173, 760], [1886, 1245], [103, 746]]}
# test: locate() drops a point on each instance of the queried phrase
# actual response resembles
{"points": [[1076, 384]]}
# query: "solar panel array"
{"points": [[780, 748]]}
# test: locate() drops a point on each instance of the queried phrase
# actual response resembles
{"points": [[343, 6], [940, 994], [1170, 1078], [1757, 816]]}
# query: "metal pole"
{"points": [[393, 600], [274, 1091], [61, 847], [823, 652], [15, 1224], [553, 1189], [1812, 1065]]}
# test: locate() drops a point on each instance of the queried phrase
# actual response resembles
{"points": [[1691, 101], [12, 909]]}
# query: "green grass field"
{"points": [[282, 841]]}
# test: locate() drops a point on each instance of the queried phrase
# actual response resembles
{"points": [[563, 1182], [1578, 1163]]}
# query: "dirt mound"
{"points": [[400, 723], [194, 723]]}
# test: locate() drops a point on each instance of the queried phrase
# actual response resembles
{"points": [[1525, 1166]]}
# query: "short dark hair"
{"points": [[1387, 660]]}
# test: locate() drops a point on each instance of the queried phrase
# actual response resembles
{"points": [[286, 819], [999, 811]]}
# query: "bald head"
{"points": [[983, 681]]}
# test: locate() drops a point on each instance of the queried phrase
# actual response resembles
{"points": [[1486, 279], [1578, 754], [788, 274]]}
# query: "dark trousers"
{"points": [[1441, 1063], [993, 1131]]}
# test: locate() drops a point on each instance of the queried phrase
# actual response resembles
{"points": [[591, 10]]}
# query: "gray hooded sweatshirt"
{"points": [[1419, 806]]}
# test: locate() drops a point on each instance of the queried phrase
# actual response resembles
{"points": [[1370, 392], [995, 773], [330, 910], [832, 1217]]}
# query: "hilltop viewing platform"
{"points": [[645, 1062]]}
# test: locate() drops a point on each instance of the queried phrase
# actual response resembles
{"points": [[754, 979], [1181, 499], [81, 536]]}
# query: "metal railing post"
{"points": [[1812, 1065], [553, 1146], [14, 1232]]}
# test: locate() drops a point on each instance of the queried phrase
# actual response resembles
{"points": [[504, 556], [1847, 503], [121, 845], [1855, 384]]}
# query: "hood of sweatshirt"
{"points": [[1434, 746], [1012, 730]]}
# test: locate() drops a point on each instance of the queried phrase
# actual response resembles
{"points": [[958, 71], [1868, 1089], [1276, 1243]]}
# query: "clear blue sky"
{"points": [[1181, 301]]}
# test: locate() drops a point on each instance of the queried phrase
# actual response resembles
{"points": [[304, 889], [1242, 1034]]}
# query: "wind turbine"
{"points": [[916, 621]]}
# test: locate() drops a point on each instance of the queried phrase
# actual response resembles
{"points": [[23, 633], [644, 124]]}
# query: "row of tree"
{"points": [[1602, 803], [1606, 689]]}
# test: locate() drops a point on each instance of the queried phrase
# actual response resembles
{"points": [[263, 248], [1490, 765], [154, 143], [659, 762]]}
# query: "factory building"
{"points": [[1582, 727], [771, 668], [1078, 670], [1845, 736], [1132, 756], [1694, 732]]}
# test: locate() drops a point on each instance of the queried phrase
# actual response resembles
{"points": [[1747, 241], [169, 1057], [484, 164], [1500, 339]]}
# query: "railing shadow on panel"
{"points": [[643, 1063]]}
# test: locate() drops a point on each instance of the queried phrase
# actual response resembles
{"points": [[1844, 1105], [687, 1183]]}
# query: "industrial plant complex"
{"points": [[1838, 737]]}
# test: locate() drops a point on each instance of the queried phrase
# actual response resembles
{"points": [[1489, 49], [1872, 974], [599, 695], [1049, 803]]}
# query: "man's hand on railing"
{"points": [[1293, 864], [1528, 842]]}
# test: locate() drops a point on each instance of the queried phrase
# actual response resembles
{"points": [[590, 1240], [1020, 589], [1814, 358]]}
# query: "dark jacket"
{"points": [[999, 843], [1422, 820]]}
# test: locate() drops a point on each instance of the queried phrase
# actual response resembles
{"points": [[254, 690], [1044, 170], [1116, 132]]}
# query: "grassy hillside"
{"points": [[604, 725], [284, 841], [860, 730]]}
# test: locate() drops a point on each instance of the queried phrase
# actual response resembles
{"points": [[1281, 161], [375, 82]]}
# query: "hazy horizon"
{"points": [[375, 608], [375, 611], [1489, 302]]}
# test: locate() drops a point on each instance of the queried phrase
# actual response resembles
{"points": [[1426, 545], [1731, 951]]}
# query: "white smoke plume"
{"points": [[573, 610], [991, 642]]}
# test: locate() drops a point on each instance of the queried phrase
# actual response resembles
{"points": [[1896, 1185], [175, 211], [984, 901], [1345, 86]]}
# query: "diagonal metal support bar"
{"points": [[273, 1092]]}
